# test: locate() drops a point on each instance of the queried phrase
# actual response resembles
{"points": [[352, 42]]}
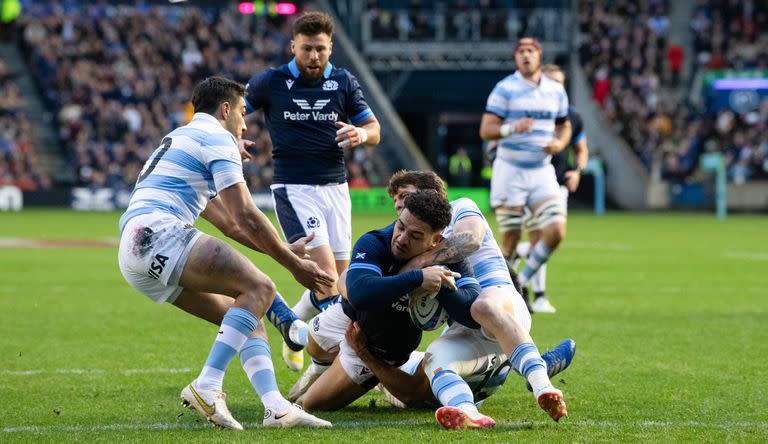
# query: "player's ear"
{"points": [[293, 47], [225, 108]]}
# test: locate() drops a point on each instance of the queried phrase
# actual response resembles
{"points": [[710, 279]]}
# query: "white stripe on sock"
{"points": [[231, 336], [257, 363]]}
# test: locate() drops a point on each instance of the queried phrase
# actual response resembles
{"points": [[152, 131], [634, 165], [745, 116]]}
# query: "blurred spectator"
{"points": [[18, 160], [460, 169], [120, 77], [623, 46]]}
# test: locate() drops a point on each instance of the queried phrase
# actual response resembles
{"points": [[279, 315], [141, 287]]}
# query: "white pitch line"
{"points": [[385, 423], [95, 371], [746, 255]]}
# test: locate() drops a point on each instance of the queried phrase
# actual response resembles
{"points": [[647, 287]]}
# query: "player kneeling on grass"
{"points": [[197, 171], [377, 298], [499, 310]]}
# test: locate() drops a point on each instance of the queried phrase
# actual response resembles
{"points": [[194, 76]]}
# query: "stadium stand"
{"points": [[634, 69], [18, 159], [120, 77]]}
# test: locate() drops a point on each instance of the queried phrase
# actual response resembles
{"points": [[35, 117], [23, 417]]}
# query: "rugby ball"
{"points": [[426, 311]]}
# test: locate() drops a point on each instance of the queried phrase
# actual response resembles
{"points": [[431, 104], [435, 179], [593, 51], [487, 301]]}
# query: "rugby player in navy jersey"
{"points": [[377, 293], [313, 111]]}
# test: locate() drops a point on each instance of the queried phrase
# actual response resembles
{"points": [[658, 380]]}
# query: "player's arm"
{"points": [[492, 127], [458, 302], [258, 230], [580, 157], [467, 237], [367, 289], [563, 131], [217, 214], [412, 390], [368, 132]]}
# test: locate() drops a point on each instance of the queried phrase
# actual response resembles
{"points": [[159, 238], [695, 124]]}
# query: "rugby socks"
{"points": [[535, 259], [453, 391], [305, 309], [539, 281], [285, 321], [237, 326], [527, 361], [323, 304], [257, 363]]}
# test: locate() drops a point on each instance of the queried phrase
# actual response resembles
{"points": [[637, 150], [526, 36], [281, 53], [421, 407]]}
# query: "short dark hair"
{"points": [[213, 91], [430, 207], [422, 180], [314, 23]]}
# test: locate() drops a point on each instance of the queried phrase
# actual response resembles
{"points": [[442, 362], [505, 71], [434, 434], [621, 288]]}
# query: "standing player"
{"points": [[568, 176], [499, 309], [313, 111], [197, 171], [528, 113]]}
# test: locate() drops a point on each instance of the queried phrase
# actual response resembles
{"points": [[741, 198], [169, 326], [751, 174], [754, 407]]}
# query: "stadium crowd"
{"points": [[120, 78], [628, 56], [18, 159]]}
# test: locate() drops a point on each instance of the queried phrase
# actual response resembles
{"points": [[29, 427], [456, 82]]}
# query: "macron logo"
{"points": [[303, 104], [289, 83]]}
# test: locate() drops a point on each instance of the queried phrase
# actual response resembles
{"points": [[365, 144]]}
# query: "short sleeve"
{"points": [[497, 101], [357, 108], [465, 207], [222, 158], [256, 91]]}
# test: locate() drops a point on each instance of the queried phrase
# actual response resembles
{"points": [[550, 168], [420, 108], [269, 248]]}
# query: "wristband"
{"points": [[505, 130]]}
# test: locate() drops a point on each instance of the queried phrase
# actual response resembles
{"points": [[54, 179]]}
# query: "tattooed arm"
{"points": [[467, 237]]}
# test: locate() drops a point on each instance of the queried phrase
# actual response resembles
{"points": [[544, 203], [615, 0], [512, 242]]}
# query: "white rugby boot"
{"points": [[211, 404], [295, 416], [306, 380]]}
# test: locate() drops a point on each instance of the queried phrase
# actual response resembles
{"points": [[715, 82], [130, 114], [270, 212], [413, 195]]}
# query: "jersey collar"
{"points": [[520, 77], [295, 69], [206, 117]]}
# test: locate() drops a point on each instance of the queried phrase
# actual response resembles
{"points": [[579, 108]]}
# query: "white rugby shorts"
{"points": [[327, 329], [513, 186], [153, 251], [325, 210]]}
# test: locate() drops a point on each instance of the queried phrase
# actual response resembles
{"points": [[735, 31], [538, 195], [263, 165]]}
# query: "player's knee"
{"points": [[260, 292], [509, 219], [483, 308]]}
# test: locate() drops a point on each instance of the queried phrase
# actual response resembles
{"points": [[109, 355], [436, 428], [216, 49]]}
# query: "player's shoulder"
{"points": [[265, 76], [464, 206], [551, 85]]}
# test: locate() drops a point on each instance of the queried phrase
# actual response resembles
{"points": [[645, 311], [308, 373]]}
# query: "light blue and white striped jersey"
{"points": [[516, 98], [488, 262], [190, 167]]}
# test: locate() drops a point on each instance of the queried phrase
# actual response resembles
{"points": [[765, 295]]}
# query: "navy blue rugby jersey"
{"points": [[301, 114], [378, 295], [560, 160]]}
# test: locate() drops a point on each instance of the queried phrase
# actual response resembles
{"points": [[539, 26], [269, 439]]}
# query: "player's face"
{"points": [[234, 121], [412, 237], [312, 53], [557, 76], [402, 193], [527, 59]]}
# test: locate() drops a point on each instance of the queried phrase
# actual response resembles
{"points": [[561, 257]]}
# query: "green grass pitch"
{"points": [[669, 311]]}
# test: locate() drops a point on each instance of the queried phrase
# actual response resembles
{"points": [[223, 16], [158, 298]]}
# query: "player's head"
{"points": [[528, 56], [223, 99], [417, 229], [554, 72], [312, 43], [406, 182]]}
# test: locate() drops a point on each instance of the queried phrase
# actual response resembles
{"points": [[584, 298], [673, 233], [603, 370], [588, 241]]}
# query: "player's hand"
{"points": [[242, 146], [356, 338], [435, 277], [311, 276], [299, 247], [350, 136], [524, 125], [554, 146], [572, 179]]}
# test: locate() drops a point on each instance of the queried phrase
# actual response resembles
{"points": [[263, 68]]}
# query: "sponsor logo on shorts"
{"points": [[313, 222], [364, 371], [157, 266], [316, 324]]}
